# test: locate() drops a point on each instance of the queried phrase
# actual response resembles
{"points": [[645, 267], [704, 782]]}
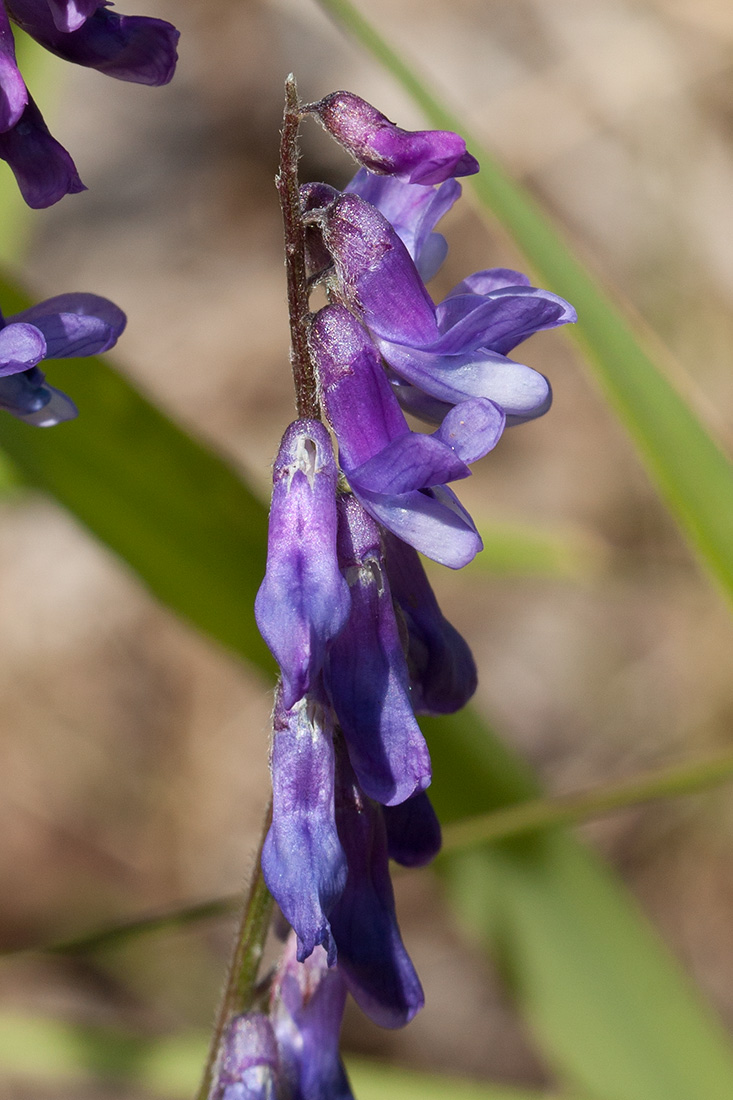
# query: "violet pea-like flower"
{"points": [[417, 156], [307, 1007], [68, 326], [302, 860], [450, 352], [248, 1067], [366, 673], [371, 955], [303, 602], [136, 48], [399, 475]]}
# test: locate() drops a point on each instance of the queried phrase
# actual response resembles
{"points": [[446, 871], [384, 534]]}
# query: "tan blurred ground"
{"points": [[133, 760]]}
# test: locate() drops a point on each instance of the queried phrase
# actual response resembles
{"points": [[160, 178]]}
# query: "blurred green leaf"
{"points": [[693, 475], [518, 550], [174, 511], [38, 1049], [613, 1013]]}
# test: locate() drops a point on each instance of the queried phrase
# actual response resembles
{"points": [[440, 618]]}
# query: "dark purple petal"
{"points": [[303, 601], [76, 324], [472, 428], [377, 273], [69, 15], [22, 346], [315, 197], [128, 47], [420, 156], [413, 831], [357, 397], [413, 211], [307, 1009], [13, 93], [367, 676], [485, 282], [498, 321], [432, 520], [57, 410], [248, 1068], [410, 462], [442, 669], [302, 861], [43, 169], [28, 397], [372, 956], [521, 392]]}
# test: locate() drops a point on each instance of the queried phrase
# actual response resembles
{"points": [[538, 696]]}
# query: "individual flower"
{"points": [[132, 48], [68, 326], [415, 156], [307, 1007], [371, 955], [249, 1063], [399, 475], [303, 602], [366, 673], [443, 354], [442, 670], [302, 860]]}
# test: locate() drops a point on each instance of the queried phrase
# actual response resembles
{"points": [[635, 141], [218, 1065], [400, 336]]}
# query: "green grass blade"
{"points": [[611, 1009], [693, 475], [179, 515], [38, 1050]]}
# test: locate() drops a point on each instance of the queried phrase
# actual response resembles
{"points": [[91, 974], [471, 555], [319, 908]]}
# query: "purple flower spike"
{"points": [[413, 831], [43, 169], [418, 156], [367, 676], [128, 47], [303, 602], [13, 93], [307, 1008], [302, 861], [413, 211], [249, 1063], [398, 475], [372, 957], [442, 669]]}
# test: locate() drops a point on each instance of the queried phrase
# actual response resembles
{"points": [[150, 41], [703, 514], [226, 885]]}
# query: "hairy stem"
{"points": [[239, 990], [304, 377]]}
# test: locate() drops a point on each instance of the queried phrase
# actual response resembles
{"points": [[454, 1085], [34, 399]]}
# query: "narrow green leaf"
{"points": [[35, 1049], [693, 475], [612, 1010], [518, 550], [376, 1081], [176, 513]]}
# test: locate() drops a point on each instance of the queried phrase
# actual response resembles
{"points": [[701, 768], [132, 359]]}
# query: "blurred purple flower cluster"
{"points": [[345, 606], [87, 32]]}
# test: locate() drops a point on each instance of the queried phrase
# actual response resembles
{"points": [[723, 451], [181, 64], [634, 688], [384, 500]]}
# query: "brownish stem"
{"points": [[286, 181]]}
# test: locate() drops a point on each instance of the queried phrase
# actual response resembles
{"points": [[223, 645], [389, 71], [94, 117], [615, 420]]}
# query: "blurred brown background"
{"points": [[133, 761]]}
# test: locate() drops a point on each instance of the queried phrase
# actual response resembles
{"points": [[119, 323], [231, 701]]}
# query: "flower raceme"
{"points": [[68, 326], [133, 48], [345, 606]]}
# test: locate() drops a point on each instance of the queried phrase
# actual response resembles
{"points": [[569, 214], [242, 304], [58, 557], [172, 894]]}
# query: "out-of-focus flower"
{"points": [[134, 48], [68, 326]]}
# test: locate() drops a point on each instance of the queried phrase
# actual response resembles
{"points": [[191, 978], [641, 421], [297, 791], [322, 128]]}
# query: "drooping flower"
{"points": [[442, 354], [132, 48], [399, 475], [68, 326], [303, 602], [307, 1007], [302, 860], [415, 156]]}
